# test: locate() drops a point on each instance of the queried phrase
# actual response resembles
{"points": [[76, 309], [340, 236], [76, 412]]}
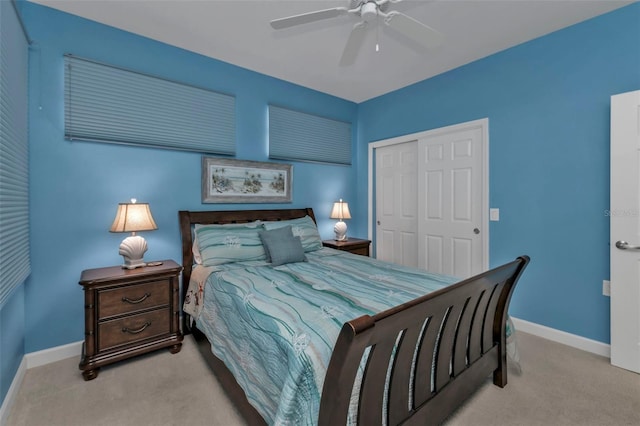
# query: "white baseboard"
{"points": [[9, 399], [47, 356], [31, 360], [563, 337]]}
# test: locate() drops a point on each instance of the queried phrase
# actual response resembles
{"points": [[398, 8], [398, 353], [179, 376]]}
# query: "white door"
{"points": [[431, 208], [625, 231], [396, 207], [451, 225]]}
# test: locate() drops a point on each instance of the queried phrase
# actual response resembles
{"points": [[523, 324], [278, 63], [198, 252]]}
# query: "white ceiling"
{"points": [[238, 32]]}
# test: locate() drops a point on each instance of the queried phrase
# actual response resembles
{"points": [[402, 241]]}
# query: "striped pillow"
{"points": [[228, 243]]}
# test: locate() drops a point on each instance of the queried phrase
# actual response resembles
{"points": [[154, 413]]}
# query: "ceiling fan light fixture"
{"points": [[369, 11]]}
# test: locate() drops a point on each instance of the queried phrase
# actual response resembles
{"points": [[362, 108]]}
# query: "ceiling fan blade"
{"points": [[414, 29], [306, 18], [353, 44]]}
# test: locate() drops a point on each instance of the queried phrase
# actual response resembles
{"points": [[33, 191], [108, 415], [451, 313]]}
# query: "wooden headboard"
{"points": [[190, 218]]}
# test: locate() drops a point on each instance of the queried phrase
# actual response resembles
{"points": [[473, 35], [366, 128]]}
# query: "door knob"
{"points": [[623, 245], [476, 231]]}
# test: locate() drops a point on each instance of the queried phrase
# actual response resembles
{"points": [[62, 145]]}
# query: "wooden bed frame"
{"points": [[449, 341]]}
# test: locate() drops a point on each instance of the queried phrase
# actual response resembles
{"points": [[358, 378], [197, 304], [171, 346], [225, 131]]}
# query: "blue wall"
{"points": [[548, 107], [76, 186]]}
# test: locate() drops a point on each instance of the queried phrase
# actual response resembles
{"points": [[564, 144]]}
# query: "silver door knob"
{"points": [[476, 231], [623, 245]]}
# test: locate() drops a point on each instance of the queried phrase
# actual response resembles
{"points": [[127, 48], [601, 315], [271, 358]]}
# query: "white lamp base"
{"points": [[341, 231], [132, 249]]}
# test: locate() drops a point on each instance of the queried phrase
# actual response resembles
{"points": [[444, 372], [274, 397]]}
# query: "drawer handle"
{"points": [[134, 302], [140, 330]]}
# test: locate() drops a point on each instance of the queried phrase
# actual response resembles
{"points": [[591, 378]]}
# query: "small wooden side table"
{"points": [[352, 245], [128, 313]]}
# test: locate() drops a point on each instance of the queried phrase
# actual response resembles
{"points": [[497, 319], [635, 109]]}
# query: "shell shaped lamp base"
{"points": [[133, 263], [132, 249], [341, 231]]}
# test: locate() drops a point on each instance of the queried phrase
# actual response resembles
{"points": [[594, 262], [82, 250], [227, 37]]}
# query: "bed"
{"points": [[406, 358]]}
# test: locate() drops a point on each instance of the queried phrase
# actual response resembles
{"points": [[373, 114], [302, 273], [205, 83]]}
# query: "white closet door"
{"points": [[432, 199], [450, 202], [396, 206]]}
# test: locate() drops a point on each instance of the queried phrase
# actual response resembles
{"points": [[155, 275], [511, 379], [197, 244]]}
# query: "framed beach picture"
{"points": [[238, 181]]}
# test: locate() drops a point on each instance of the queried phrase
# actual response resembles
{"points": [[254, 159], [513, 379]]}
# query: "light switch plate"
{"points": [[494, 215]]}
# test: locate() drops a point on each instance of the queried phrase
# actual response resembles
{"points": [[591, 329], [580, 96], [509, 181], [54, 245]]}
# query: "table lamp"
{"points": [[133, 217], [340, 211]]}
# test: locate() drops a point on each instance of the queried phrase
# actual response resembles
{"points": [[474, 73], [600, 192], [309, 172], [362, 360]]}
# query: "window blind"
{"points": [[295, 135], [109, 104], [14, 153]]}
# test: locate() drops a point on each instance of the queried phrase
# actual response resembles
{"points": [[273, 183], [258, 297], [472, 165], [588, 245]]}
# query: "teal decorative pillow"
{"points": [[275, 238], [304, 227], [218, 244], [282, 247]]}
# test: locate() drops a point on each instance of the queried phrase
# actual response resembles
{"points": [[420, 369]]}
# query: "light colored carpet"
{"points": [[559, 385]]}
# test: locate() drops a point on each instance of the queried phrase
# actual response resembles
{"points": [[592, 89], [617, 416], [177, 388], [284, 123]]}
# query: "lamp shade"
{"points": [[133, 217], [340, 210]]}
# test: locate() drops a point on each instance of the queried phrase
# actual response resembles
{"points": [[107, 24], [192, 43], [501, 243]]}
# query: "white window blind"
{"points": [[295, 135], [14, 153], [109, 104]]}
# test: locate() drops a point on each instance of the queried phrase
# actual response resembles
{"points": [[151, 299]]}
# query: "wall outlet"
{"points": [[606, 288]]}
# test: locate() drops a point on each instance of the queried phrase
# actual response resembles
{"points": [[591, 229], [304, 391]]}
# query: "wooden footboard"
{"points": [[446, 344]]}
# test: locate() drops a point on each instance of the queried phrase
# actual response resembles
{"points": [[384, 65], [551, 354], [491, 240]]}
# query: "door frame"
{"points": [[483, 124]]}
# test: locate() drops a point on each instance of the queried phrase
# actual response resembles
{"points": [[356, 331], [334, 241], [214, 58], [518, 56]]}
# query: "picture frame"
{"points": [[239, 181]]}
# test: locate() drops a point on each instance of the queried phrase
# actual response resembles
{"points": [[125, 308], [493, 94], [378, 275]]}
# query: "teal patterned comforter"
{"points": [[275, 327]]}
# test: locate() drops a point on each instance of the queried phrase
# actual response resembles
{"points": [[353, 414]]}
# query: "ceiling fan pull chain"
{"points": [[378, 31]]}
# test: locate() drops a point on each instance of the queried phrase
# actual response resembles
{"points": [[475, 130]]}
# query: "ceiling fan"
{"points": [[369, 11]]}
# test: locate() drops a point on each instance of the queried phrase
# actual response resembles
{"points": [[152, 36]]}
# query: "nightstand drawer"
{"points": [[133, 328], [133, 298], [363, 251]]}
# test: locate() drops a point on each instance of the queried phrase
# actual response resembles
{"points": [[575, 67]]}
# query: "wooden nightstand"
{"points": [[128, 313], [352, 245]]}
